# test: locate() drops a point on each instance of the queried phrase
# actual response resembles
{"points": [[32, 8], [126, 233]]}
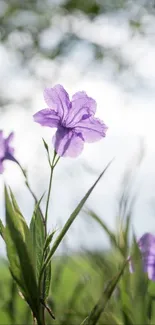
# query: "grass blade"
{"points": [[99, 308], [104, 226], [72, 218]]}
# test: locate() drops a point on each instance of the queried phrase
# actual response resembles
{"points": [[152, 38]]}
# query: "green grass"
{"points": [[77, 283]]}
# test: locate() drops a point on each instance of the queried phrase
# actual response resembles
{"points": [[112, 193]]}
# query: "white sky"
{"points": [[130, 117]]}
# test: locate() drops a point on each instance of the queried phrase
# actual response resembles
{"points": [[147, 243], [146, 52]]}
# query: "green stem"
{"points": [[46, 215], [31, 191], [27, 183], [52, 165], [48, 196]]}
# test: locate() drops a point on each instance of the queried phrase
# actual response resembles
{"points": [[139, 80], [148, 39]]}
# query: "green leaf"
{"points": [[99, 308], [11, 303], [139, 282], [47, 280], [48, 241], [15, 205], [111, 319], [21, 223], [151, 289], [126, 298], [37, 231], [71, 219], [47, 150], [45, 145], [14, 261], [18, 240], [124, 235], [127, 304], [48, 269], [40, 248], [2, 229]]}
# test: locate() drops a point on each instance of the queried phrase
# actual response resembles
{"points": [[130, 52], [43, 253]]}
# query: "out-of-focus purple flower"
{"points": [[74, 120], [6, 150], [146, 245]]}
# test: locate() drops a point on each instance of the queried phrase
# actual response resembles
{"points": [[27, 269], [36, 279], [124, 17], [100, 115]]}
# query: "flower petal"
{"points": [[82, 107], [8, 149], [57, 99], [47, 117], [2, 145], [147, 243], [1, 167], [92, 129], [68, 142], [147, 247], [149, 266]]}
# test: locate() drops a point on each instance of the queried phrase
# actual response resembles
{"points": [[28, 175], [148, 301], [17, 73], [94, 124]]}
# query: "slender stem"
{"points": [[42, 311], [55, 163], [34, 320], [27, 183], [45, 220], [52, 165], [48, 196], [48, 309], [31, 191]]}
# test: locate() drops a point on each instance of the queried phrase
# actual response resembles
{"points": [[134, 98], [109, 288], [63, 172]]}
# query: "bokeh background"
{"points": [[106, 48]]}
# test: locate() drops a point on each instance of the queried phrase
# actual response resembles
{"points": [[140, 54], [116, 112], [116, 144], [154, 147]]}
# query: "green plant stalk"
{"points": [[45, 220], [27, 183], [70, 221], [52, 166], [48, 196]]}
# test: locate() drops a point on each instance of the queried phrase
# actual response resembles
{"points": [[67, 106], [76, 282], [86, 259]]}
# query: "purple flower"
{"points": [[74, 120], [6, 151], [147, 247]]}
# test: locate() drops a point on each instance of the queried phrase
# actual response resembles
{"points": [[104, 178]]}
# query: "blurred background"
{"points": [[106, 48]]}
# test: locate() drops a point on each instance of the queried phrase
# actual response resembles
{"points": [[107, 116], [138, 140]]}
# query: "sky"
{"points": [[126, 105]]}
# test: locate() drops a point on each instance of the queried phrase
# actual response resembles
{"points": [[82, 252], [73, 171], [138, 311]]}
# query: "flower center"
{"points": [[66, 125]]}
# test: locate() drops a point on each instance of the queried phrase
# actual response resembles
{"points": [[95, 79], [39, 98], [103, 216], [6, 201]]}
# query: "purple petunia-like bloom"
{"points": [[74, 120], [147, 247], [6, 150]]}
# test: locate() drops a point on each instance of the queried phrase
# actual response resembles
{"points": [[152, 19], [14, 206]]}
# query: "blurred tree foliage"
{"points": [[52, 30]]}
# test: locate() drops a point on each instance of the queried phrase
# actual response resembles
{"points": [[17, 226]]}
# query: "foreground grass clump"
{"points": [[77, 282], [75, 286]]}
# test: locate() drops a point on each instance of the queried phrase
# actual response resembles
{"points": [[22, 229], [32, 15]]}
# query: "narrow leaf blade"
{"points": [[20, 261], [72, 218], [102, 302]]}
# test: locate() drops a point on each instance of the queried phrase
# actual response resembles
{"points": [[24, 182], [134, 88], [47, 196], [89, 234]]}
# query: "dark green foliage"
{"points": [[19, 250], [38, 240]]}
